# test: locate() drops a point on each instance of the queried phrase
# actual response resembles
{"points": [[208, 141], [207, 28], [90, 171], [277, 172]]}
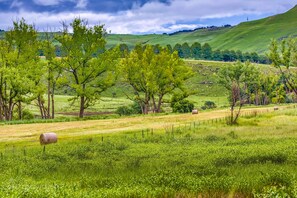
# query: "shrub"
{"points": [[183, 106], [27, 115], [136, 108], [209, 105], [128, 110], [124, 110]]}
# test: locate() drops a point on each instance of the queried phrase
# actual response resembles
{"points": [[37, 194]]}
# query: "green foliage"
{"points": [[238, 79], [92, 68], [20, 69], [128, 110], [152, 75], [183, 106], [209, 105]]}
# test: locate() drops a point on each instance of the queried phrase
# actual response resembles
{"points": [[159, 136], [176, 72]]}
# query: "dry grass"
{"points": [[65, 130]]}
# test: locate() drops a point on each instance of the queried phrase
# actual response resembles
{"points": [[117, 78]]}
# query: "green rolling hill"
{"points": [[253, 36]]}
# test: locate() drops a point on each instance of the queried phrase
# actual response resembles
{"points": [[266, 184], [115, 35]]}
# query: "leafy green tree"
{"points": [[196, 50], [284, 56], [247, 56], [84, 57], [239, 55], [233, 56], [254, 57], [20, 71], [186, 50], [153, 75], [236, 79], [169, 47], [217, 55], [157, 48], [179, 50], [206, 52], [226, 55], [54, 73], [124, 49]]}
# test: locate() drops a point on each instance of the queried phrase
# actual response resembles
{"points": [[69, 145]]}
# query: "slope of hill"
{"points": [[253, 36], [256, 35]]}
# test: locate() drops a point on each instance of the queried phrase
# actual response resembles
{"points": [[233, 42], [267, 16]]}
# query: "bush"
{"points": [[209, 105], [136, 108], [27, 115], [124, 110], [128, 110], [183, 106]]}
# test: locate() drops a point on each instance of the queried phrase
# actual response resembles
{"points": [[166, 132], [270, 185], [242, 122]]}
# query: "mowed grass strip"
{"points": [[31, 132]]}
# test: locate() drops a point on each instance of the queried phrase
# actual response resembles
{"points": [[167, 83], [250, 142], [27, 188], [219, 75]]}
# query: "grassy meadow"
{"points": [[155, 156]]}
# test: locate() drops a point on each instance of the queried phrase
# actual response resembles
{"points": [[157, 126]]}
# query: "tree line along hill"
{"points": [[226, 42]]}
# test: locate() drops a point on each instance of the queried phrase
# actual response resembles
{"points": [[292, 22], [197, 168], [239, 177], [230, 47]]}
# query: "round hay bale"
{"points": [[48, 138], [195, 111]]}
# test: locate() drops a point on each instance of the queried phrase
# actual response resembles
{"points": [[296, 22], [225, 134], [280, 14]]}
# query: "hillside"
{"points": [[252, 36], [248, 36]]}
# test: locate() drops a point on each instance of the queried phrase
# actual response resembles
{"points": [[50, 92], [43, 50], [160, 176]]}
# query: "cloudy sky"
{"points": [[139, 16]]}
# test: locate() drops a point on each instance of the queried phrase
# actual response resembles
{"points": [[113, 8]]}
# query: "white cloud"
{"points": [[154, 16], [81, 4], [16, 4]]}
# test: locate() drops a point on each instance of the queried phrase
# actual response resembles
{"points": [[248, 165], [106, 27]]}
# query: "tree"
{"points": [[236, 79], [84, 56], [169, 47], [206, 51], [153, 75], [196, 50], [54, 73], [20, 71], [284, 56], [179, 50], [239, 55], [124, 49], [186, 50], [217, 55]]}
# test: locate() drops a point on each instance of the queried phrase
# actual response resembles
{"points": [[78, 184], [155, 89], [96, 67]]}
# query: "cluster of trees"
{"points": [[83, 66], [153, 74], [87, 68], [205, 52], [246, 84], [201, 28]]}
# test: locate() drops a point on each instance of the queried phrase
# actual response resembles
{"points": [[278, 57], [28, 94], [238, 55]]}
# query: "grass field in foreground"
{"points": [[257, 158]]}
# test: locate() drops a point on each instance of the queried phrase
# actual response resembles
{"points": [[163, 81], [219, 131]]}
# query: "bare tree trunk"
{"points": [[82, 106], [1, 107], [232, 114], [159, 104], [42, 113], [237, 114], [20, 110], [10, 110], [154, 103], [53, 106], [48, 96]]}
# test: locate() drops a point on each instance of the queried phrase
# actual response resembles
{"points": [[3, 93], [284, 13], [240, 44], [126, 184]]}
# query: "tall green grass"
{"points": [[209, 159]]}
